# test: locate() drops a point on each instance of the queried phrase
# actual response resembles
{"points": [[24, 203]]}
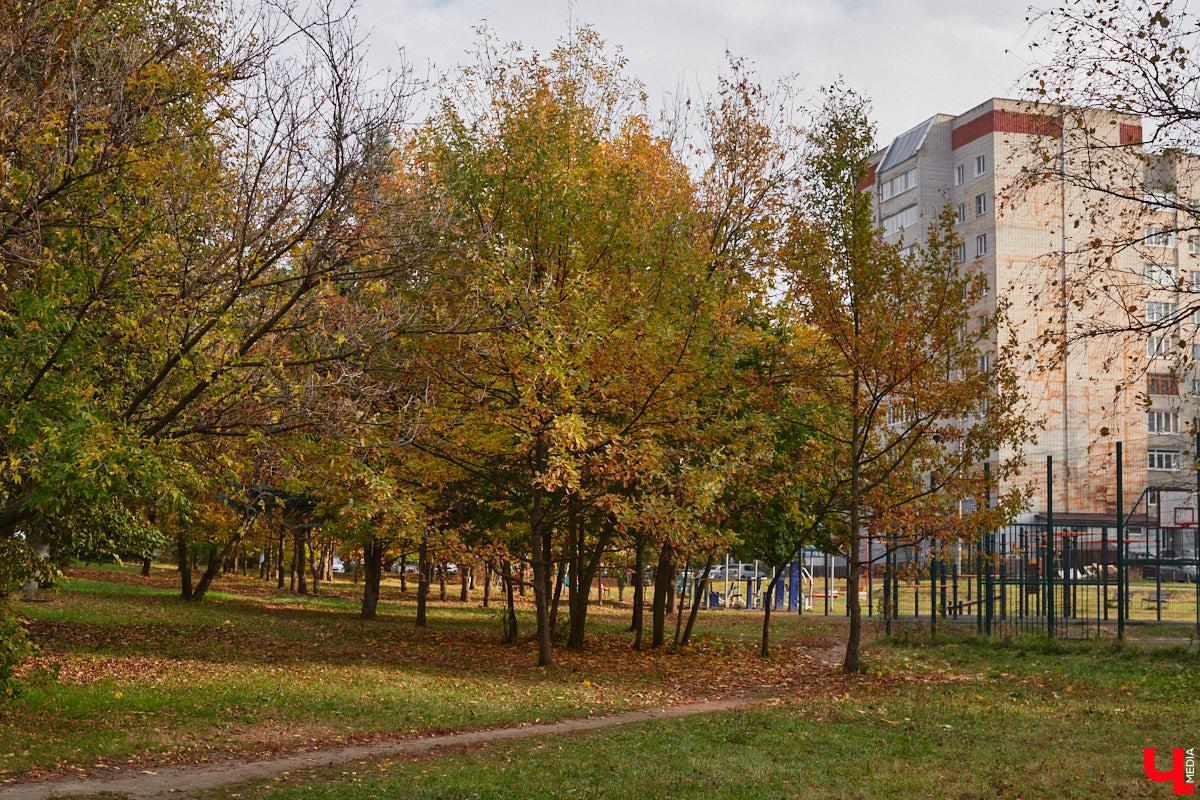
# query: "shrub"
{"points": [[15, 647]]}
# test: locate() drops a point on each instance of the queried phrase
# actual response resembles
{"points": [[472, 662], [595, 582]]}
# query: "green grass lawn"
{"points": [[145, 679], [954, 720]]}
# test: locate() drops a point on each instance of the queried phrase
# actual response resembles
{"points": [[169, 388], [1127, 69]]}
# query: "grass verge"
{"points": [[145, 679], [954, 719]]}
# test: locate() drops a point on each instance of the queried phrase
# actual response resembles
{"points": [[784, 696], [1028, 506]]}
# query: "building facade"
{"points": [[1035, 242]]}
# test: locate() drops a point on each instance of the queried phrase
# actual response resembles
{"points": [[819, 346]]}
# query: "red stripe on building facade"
{"points": [[1005, 122], [1130, 134], [869, 181]]}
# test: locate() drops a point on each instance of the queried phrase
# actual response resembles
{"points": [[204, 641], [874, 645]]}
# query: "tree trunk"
{"points": [[318, 569], [442, 583], [671, 591], [568, 568], [560, 578], [584, 572], [540, 542], [683, 592], [146, 567], [541, 593], [185, 564], [279, 576], [215, 563], [639, 590], [853, 641], [487, 584], [300, 561], [851, 664], [662, 587], [767, 603], [372, 576], [464, 583], [422, 583], [509, 634], [701, 591]]}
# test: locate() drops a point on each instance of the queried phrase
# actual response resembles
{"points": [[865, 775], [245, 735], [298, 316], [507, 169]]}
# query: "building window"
{"points": [[1156, 312], [1196, 353], [980, 165], [900, 220], [1160, 200], [1163, 460], [1195, 387], [958, 175], [980, 204], [1158, 347], [981, 244], [960, 213], [1159, 236], [901, 183], [960, 255], [985, 363], [1160, 274], [1162, 384], [1162, 421], [899, 413], [1194, 244]]}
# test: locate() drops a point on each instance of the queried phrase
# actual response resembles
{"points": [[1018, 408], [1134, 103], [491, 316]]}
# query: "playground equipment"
{"points": [[1065, 575]]}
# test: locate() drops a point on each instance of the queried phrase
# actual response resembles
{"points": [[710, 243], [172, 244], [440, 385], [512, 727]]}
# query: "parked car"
{"points": [[1183, 574], [738, 572], [338, 567]]}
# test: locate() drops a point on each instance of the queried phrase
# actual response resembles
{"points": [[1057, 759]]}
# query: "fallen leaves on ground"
{"points": [[258, 637]]}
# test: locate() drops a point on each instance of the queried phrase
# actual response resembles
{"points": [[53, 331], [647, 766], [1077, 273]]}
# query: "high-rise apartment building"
{"points": [[1035, 247]]}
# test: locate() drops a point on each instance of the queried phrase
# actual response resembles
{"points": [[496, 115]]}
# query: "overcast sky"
{"points": [[913, 58]]}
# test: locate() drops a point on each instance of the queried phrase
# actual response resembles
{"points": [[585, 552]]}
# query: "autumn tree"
{"points": [[178, 199], [913, 413], [1115, 81], [587, 262]]}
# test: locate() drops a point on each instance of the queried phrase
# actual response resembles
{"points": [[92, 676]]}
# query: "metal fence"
{"points": [[1135, 572]]}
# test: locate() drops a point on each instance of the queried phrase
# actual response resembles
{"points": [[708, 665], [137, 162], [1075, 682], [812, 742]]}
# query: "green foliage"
{"points": [[15, 647], [89, 181]]}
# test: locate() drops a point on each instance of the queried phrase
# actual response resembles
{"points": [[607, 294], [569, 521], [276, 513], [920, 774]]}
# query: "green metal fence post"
{"points": [[989, 551], [1120, 543], [1048, 550], [932, 588]]}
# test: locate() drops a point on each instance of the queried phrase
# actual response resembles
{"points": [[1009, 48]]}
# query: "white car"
{"points": [[738, 572]]}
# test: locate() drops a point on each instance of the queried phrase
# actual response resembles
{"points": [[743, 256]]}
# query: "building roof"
{"points": [[906, 145]]}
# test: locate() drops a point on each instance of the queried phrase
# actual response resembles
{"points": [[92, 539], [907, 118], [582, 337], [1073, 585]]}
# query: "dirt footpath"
{"points": [[183, 782]]}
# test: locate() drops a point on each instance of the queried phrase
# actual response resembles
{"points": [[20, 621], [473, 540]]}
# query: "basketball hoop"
{"points": [[1176, 508]]}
